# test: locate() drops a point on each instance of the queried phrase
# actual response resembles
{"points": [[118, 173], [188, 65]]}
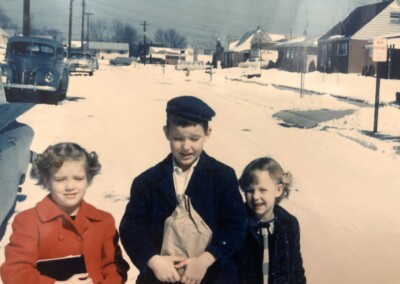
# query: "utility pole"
{"points": [[144, 41], [83, 22], [87, 33], [70, 26], [26, 30]]}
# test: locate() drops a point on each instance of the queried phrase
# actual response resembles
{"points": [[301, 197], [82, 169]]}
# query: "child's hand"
{"points": [[196, 268], [82, 278], [163, 267]]}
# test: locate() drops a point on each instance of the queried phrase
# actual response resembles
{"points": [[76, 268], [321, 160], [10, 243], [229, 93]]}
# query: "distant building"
{"points": [[104, 50], [298, 54], [255, 44], [342, 48], [166, 55], [173, 56], [238, 51]]}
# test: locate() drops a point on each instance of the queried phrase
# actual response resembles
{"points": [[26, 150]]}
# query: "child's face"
{"points": [[68, 185], [186, 143], [261, 196]]}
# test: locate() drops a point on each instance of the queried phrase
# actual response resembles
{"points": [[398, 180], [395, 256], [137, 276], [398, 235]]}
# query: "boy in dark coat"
{"points": [[214, 193], [270, 253]]}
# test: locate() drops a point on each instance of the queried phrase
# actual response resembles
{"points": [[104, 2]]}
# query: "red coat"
{"points": [[47, 232]]}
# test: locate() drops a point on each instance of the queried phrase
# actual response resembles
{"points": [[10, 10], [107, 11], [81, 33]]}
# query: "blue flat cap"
{"points": [[191, 108]]}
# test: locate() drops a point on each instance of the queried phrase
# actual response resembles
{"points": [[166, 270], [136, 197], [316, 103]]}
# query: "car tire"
{"points": [[90, 73], [51, 98], [59, 94]]}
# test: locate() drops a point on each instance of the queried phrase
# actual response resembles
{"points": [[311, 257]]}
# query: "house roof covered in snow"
{"points": [[243, 44], [264, 37], [164, 50], [298, 42], [357, 19], [249, 38]]}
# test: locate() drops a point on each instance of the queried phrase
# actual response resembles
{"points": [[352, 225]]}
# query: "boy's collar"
{"points": [[178, 170]]}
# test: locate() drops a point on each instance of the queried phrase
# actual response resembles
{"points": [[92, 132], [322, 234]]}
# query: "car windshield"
{"points": [[31, 48]]}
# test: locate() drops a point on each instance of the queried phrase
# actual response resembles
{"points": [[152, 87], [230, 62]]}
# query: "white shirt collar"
{"points": [[179, 171]]}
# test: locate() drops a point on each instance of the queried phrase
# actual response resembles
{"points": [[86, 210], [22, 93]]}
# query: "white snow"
{"points": [[347, 184], [237, 46]]}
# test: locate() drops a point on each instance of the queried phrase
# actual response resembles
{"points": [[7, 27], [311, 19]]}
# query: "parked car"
{"points": [[15, 141], [81, 62], [121, 61], [96, 63], [15, 156], [34, 70]]}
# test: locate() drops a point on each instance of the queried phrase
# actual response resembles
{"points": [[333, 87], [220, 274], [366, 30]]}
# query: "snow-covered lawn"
{"points": [[346, 192]]}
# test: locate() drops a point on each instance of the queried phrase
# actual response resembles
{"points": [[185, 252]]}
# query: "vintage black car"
{"points": [[35, 70]]}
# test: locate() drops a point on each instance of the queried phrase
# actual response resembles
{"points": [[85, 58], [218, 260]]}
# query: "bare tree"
{"points": [[98, 30], [129, 34], [5, 21], [117, 31], [45, 31], [170, 38]]}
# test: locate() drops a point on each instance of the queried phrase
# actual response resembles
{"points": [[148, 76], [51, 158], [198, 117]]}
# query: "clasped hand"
{"points": [[82, 278], [166, 268]]}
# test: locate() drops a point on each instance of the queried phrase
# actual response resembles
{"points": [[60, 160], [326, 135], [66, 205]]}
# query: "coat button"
{"points": [[79, 238], [60, 237]]}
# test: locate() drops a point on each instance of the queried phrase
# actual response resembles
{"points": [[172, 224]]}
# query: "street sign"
{"points": [[379, 50]]}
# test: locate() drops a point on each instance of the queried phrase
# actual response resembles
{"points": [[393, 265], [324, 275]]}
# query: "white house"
{"points": [[175, 55], [105, 50]]}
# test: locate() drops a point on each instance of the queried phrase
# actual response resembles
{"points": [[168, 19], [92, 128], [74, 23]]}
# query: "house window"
{"points": [[395, 18], [342, 49]]}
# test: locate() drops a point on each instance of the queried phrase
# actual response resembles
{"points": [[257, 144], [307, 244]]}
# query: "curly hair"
{"points": [[275, 171], [54, 157]]}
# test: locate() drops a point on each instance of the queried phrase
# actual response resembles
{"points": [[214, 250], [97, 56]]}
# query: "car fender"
{"points": [[40, 77], [7, 72], [15, 155]]}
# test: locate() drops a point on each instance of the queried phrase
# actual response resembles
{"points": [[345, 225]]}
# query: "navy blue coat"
{"points": [[286, 264], [214, 193]]}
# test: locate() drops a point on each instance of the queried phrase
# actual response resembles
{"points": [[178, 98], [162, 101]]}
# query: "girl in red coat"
{"points": [[63, 224]]}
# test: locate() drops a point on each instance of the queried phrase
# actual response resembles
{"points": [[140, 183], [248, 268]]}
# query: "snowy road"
{"points": [[346, 194]]}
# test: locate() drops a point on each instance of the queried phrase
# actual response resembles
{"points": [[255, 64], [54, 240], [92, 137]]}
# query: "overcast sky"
{"points": [[198, 20]]}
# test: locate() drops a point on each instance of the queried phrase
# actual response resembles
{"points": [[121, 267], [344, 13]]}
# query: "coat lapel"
{"points": [[86, 214], [199, 175], [165, 184]]}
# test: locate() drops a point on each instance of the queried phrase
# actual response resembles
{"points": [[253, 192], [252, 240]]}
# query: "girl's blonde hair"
{"points": [[275, 172], [54, 157]]}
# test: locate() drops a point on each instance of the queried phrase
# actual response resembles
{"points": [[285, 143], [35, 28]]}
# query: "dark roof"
{"points": [[244, 37], [34, 39], [358, 18]]}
